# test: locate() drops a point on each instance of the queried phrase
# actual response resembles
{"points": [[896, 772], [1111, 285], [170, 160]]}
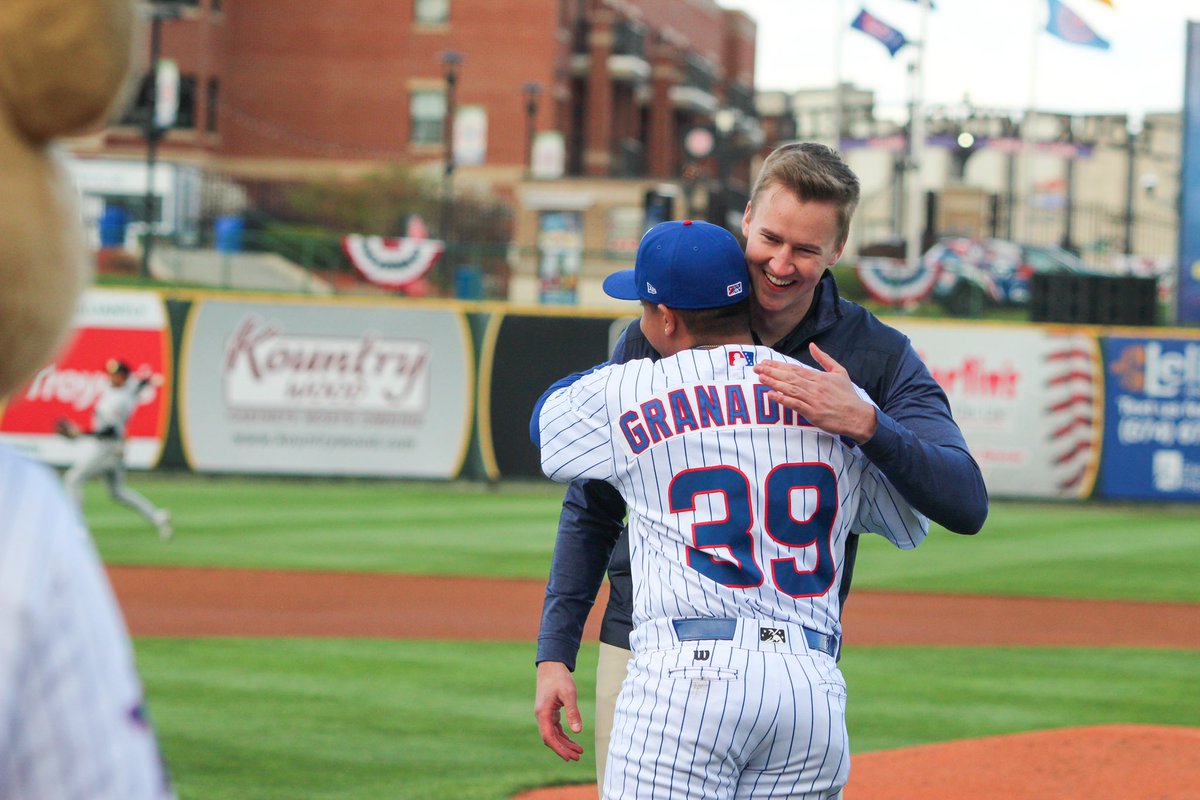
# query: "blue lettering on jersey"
{"points": [[656, 420], [708, 400], [635, 435], [736, 409], [766, 412], [715, 406], [681, 412]]}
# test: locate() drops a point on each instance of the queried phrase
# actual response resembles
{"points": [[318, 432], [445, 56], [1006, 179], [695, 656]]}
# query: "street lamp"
{"points": [[531, 90], [1068, 135], [157, 13], [725, 119], [450, 60]]}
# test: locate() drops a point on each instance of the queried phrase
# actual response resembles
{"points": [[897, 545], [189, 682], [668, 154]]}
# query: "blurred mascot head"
{"points": [[63, 66]]}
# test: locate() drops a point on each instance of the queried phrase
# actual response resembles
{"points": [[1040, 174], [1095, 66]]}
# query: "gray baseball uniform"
{"points": [[104, 454]]}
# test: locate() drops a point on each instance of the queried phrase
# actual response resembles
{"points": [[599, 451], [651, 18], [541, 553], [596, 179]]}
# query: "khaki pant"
{"points": [[611, 668]]}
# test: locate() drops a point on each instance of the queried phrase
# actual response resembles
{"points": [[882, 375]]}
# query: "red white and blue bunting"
{"points": [[392, 262], [893, 282]]}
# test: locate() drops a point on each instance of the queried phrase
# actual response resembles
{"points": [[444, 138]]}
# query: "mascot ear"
{"points": [[63, 62], [62, 65]]}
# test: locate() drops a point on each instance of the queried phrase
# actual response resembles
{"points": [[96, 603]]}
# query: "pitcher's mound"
{"points": [[1107, 762]]}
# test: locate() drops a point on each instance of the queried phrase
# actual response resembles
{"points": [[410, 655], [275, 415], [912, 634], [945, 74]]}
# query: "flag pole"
{"points": [[1027, 176], [839, 25], [916, 144]]}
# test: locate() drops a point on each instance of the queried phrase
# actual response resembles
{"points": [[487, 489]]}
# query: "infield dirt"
{"points": [[1112, 762]]}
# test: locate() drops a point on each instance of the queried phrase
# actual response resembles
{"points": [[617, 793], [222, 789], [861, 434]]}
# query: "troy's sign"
{"points": [[266, 368]]}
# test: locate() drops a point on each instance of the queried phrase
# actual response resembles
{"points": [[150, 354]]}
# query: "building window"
{"points": [[210, 105], [186, 116], [431, 12], [214, 5], [138, 112], [426, 116]]}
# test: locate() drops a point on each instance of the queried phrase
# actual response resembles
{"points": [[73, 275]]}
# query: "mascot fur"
{"points": [[63, 64]]}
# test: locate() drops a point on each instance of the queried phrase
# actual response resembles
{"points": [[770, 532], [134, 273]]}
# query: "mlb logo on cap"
{"points": [[684, 264]]}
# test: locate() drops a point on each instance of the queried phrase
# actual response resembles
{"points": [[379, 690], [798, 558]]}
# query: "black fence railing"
{"points": [[1095, 231], [629, 39], [698, 74]]}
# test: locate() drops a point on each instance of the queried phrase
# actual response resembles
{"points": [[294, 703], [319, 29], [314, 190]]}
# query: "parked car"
{"points": [[974, 273]]}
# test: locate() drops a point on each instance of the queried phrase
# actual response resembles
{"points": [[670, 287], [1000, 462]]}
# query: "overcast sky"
{"points": [[984, 49]]}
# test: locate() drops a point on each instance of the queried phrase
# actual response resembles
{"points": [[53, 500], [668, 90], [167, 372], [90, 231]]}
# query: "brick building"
{"points": [[608, 90]]}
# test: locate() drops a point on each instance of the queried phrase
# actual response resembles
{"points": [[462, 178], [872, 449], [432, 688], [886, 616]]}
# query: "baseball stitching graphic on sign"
{"points": [[1073, 387]]}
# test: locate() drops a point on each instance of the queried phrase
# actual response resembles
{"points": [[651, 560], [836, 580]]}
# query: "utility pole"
{"points": [[451, 59]]}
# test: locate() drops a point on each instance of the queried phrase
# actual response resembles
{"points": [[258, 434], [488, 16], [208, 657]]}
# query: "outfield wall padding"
{"points": [[397, 388]]}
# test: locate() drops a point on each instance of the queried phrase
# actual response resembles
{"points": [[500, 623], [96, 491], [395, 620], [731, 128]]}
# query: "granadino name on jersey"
{"points": [[698, 408]]}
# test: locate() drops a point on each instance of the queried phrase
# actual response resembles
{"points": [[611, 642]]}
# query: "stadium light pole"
{"points": [[157, 12], [724, 120]]}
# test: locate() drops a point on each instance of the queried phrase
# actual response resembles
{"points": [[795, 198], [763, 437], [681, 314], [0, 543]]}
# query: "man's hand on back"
{"points": [[556, 691], [825, 398]]}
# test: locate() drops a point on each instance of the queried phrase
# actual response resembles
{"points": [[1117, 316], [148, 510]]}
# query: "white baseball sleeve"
{"points": [[884, 511], [576, 433]]}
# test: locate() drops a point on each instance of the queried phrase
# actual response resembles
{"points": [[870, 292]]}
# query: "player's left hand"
{"points": [[825, 398]]}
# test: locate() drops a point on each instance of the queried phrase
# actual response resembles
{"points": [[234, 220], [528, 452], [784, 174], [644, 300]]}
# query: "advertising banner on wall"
{"points": [[122, 324], [311, 389], [1028, 400], [1152, 405]]}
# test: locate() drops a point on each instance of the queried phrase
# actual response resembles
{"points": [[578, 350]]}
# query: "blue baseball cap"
{"points": [[684, 264]]}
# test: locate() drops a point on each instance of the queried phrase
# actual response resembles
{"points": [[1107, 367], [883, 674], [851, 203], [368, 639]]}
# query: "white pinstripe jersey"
{"points": [[737, 506], [72, 726]]}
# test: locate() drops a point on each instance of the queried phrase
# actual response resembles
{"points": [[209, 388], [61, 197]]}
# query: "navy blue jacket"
{"points": [[917, 445]]}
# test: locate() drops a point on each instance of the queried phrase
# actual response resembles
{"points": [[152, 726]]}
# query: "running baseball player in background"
{"points": [[739, 513], [104, 450], [72, 718]]}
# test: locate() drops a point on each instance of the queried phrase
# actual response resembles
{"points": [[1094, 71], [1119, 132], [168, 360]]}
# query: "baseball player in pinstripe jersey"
{"points": [[739, 511], [72, 721]]}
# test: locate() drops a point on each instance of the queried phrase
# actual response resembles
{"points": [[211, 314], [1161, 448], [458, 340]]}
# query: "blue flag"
{"points": [[1066, 25], [891, 38]]}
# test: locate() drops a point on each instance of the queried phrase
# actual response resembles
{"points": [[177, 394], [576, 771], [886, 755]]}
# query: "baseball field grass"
{"points": [[255, 719], [347, 718], [1099, 551]]}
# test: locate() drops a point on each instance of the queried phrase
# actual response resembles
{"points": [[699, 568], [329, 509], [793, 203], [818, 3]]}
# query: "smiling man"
{"points": [[796, 226]]}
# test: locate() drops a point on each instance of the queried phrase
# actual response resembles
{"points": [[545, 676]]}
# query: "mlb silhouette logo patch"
{"points": [[741, 358], [772, 635]]}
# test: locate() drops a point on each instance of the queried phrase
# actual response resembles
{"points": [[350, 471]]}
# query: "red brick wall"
{"points": [[330, 78]]}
